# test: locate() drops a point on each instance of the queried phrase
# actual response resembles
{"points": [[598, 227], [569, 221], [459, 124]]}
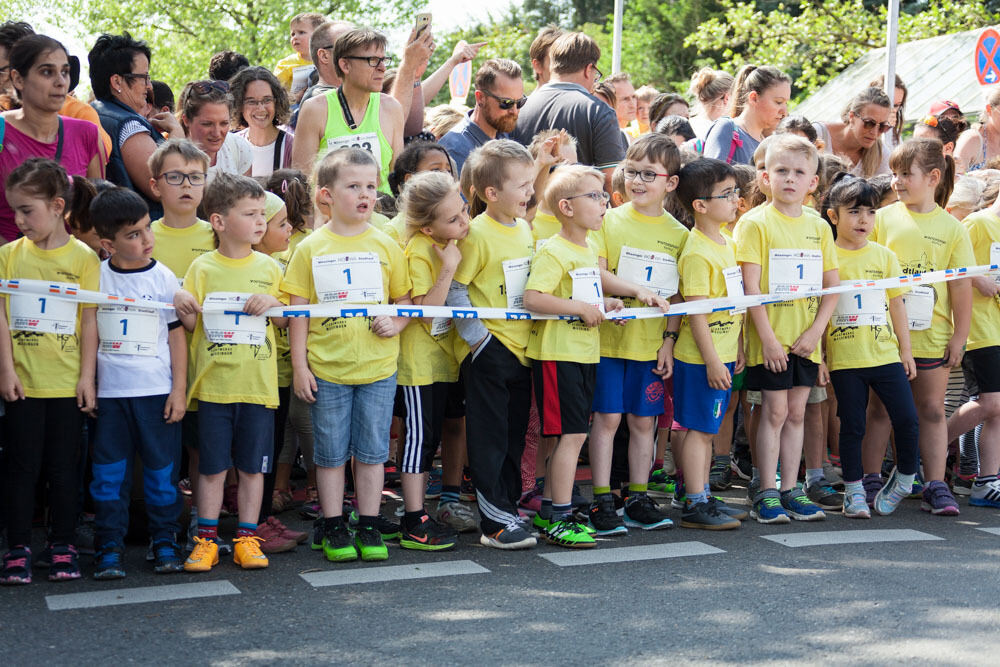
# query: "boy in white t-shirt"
{"points": [[142, 381]]}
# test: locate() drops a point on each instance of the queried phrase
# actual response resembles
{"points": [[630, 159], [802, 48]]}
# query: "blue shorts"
{"points": [[352, 420], [235, 434], [697, 406], [628, 387]]}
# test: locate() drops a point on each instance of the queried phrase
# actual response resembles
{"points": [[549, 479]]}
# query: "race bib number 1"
{"points": [[128, 330], [350, 277], [232, 325], [515, 277], [587, 287], [42, 314], [795, 271], [863, 308], [656, 271]]}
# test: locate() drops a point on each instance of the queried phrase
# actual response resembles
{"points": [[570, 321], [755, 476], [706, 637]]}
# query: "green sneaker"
{"points": [[369, 543], [570, 533], [338, 545], [661, 485], [541, 524]]}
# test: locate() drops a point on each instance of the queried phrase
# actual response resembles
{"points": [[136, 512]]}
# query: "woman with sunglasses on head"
{"points": [[119, 75], [206, 116], [261, 108], [857, 137], [39, 75]]}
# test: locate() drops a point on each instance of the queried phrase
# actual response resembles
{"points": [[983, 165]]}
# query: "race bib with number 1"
{"points": [[587, 286], [863, 308], [792, 271], [42, 314], [128, 330], [232, 325], [354, 277], [656, 271]]}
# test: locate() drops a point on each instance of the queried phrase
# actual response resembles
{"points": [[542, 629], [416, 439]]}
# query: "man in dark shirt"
{"points": [[499, 98], [566, 102]]}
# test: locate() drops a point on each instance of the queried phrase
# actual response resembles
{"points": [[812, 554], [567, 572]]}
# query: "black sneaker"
{"points": [[578, 502], [167, 557], [338, 544], [641, 511], [370, 544], [823, 495], [65, 563], [741, 465], [707, 517], [467, 490], [720, 477], [731, 511], [428, 535], [16, 569], [387, 528], [109, 562], [511, 537], [317, 538], [604, 518]]}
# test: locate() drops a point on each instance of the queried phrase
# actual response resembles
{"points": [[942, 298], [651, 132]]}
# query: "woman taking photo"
{"points": [[119, 75], [260, 107], [857, 138], [759, 102], [39, 74], [206, 116]]}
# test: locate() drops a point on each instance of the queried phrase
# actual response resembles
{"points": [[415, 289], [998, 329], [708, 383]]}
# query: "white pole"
{"points": [[892, 30], [616, 55]]}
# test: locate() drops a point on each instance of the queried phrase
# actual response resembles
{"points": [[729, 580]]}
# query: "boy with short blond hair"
{"points": [[782, 250], [234, 366], [496, 256]]}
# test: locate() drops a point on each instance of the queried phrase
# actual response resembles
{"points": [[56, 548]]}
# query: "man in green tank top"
{"points": [[355, 115]]}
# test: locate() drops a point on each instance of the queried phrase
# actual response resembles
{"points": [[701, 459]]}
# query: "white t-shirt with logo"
{"points": [[133, 358]]}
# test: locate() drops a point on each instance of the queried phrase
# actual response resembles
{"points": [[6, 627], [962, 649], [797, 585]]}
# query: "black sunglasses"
{"points": [[206, 87], [506, 103], [871, 124]]}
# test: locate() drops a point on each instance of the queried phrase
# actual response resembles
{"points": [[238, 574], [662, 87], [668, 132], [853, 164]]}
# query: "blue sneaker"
{"points": [[433, 485], [985, 493], [109, 562], [167, 557], [799, 507], [890, 496], [767, 508], [679, 501], [917, 492]]}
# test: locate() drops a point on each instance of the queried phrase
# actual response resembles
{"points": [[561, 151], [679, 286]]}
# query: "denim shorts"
{"points": [[352, 420], [235, 434]]}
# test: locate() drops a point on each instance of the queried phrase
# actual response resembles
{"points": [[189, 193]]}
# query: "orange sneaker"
{"points": [[204, 555], [247, 553]]}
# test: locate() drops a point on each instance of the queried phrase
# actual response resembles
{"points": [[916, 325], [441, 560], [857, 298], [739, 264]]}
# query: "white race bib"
{"points": [[587, 286], [42, 314], [656, 271], [795, 271], [128, 330], [515, 276], [863, 308], [232, 325], [734, 286], [352, 277], [365, 140], [995, 258], [440, 326], [919, 304]]}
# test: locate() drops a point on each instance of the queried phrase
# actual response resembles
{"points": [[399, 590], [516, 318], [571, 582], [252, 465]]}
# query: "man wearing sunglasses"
{"points": [[357, 114], [499, 98], [566, 102]]}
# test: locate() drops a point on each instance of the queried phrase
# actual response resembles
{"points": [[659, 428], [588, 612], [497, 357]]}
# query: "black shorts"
{"points": [[454, 403], [800, 372], [424, 411], [564, 391], [984, 366], [928, 363]]}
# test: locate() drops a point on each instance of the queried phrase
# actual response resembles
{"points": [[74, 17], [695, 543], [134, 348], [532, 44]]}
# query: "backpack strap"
{"points": [[279, 145], [736, 143], [3, 128]]}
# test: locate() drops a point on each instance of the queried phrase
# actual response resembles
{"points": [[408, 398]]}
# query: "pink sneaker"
{"points": [[273, 541], [298, 536]]}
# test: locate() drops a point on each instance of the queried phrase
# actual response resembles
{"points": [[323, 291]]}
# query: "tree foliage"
{"points": [[814, 40]]}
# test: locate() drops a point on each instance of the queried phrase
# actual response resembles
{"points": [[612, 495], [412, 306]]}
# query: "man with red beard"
{"points": [[499, 97]]}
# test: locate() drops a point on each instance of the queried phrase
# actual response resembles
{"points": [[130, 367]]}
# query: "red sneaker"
{"points": [[298, 536], [273, 541]]}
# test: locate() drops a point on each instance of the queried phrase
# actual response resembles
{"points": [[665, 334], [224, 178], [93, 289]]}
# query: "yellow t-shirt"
{"points": [[866, 345], [704, 266], [426, 347], [177, 248], [984, 233], [228, 372], [554, 270], [48, 364], [495, 263], [926, 242], [791, 245], [293, 242], [286, 66], [624, 227], [345, 350], [544, 227]]}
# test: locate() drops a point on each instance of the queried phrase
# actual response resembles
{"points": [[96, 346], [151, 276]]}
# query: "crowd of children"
{"points": [[237, 394]]}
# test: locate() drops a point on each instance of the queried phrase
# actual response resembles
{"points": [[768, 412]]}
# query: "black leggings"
{"points": [[280, 417], [42, 434]]}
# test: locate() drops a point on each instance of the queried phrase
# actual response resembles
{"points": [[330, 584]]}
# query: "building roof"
{"points": [[939, 68]]}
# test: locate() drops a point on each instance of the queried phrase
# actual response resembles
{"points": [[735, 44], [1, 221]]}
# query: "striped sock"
{"points": [[560, 512], [246, 529], [208, 529]]}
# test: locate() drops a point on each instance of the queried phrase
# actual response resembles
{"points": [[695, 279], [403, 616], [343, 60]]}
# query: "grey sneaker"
{"points": [[707, 517], [856, 507], [823, 495], [509, 538], [458, 516], [893, 493]]}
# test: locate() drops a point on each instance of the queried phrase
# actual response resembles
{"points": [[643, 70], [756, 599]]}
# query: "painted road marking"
{"points": [[627, 554], [201, 589], [991, 531], [368, 575], [827, 537]]}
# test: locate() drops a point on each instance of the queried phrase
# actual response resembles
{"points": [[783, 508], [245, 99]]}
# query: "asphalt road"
{"points": [[695, 596]]}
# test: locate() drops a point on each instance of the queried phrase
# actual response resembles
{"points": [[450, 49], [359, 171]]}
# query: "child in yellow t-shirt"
{"points": [[709, 349], [638, 246], [924, 238], [345, 368], [548, 148], [416, 158], [293, 70], [48, 356], [982, 354], [234, 378], [866, 351], [783, 250], [178, 171], [429, 392], [565, 279]]}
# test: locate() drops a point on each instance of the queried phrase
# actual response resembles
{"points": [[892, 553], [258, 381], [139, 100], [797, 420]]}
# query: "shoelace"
{"points": [[252, 542], [770, 501], [62, 559], [16, 562]]}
